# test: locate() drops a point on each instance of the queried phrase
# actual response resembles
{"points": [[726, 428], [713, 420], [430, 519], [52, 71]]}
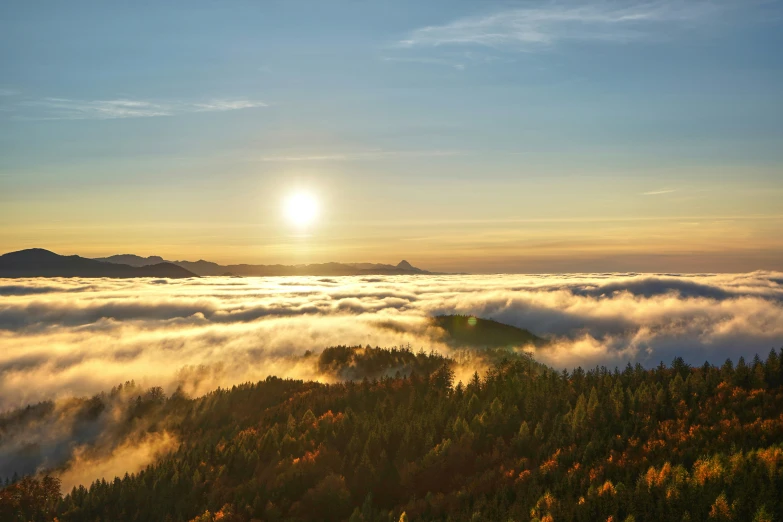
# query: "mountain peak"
{"points": [[404, 265], [35, 251], [31, 254]]}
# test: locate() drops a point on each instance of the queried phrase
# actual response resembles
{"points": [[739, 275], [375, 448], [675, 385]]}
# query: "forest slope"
{"points": [[475, 332], [521, 443]]}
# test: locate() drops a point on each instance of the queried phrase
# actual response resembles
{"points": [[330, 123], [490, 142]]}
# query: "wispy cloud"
{"points": [[70, 109], [62, 108], [658, 192], [533, 28], [361, 155], [226, 105]]}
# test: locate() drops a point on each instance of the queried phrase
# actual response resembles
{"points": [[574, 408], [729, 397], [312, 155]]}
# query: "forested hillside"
{"points": [[520, 442], [475, 332]]}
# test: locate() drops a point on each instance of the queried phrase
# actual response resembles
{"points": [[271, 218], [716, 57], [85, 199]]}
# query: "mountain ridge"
{"points": [[209, 268], [39, 262], [131, 260]]}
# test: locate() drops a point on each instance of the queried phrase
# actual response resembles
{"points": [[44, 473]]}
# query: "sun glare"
{"points": [[301, 209]]}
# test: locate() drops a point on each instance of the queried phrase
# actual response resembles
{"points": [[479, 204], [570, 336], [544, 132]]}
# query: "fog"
{"points": [[65, 338]]}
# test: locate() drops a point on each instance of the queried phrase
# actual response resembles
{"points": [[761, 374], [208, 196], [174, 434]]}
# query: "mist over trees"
{"points": [[521, 442], [246, 328]]}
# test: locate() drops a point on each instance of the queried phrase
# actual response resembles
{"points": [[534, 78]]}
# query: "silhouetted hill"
{"points": [[404, 265], [202, 268], [208, 268], [132, 260], [37, 262], [474, 332], [162, 270], [371, 266]]}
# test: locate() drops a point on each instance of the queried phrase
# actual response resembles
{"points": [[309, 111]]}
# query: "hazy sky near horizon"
{"points": [[472, 136]]}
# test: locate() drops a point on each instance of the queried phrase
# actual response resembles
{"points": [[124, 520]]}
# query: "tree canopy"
{"points": [[520, 442]]}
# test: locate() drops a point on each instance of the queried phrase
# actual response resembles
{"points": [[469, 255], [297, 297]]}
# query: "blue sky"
{"points": [[479, 136]]}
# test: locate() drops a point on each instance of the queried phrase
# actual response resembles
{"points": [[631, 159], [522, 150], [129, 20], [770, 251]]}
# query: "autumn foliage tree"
{"points": [[520, 442]]}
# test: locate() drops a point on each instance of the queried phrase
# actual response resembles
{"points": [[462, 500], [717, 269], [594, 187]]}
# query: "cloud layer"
{"points": [[72, 337], [534, 27], [68, 109], [61, 339]]}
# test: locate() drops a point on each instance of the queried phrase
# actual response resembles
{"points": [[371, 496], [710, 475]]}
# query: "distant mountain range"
{"points": [[37, 262], [208, 268]]}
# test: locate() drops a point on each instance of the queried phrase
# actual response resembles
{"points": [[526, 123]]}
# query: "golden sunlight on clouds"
{"points": [[81, 336]]}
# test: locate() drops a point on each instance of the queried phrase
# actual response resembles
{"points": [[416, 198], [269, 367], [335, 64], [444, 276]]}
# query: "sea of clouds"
{"points": [[66, 337]]}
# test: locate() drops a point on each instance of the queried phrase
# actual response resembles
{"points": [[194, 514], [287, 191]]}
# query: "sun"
{"points": [[301, 209]]}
